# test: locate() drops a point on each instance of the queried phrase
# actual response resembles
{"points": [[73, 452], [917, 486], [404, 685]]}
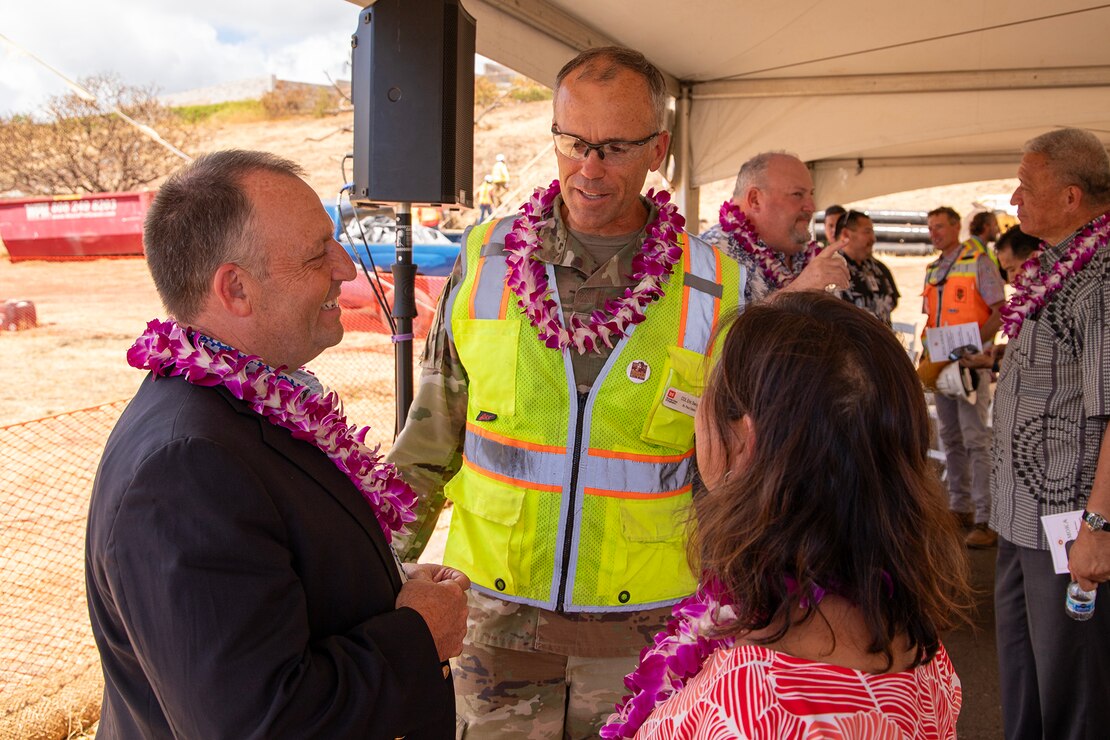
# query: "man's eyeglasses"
{"points": [[572, 147]]}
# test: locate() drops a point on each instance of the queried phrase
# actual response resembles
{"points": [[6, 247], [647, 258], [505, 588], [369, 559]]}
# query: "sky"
{"points": [[173, 46]]}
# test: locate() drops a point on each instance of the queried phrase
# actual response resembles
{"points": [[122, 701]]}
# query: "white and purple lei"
{"points": [[526, 276], [1034, 288], [736, 225], [676, 656], [167, 349]]}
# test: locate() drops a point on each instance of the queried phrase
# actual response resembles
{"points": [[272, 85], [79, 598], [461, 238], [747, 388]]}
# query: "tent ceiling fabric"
{"points": [[921, 94]]}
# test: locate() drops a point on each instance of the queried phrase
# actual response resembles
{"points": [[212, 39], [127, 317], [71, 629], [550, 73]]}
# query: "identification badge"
{"points": [[681, 401]]}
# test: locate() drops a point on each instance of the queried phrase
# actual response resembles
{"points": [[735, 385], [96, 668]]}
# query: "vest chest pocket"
{"points": [[670, 421], [488, 350]]}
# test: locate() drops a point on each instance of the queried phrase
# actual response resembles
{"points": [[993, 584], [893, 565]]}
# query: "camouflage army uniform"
{"points": [[756, 285], [535, 653]]}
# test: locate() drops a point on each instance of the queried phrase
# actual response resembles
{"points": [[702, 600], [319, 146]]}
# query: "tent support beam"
{"points": [[859, 164], [907, 83]]}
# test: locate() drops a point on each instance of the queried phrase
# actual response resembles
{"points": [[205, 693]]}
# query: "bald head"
{"points": [[775, 192]]}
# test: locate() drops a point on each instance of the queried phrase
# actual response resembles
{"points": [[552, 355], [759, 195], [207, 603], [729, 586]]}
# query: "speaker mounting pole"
{"points": [[404, 311], [412, 86]]}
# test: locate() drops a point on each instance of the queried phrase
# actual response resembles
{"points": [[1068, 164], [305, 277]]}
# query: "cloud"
{"points": [[172, 47]]}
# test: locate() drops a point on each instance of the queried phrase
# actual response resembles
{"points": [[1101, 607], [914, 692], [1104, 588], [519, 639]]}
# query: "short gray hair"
{"points": [[602, 63], [198, 221], [1077, 157], [753, 173]]}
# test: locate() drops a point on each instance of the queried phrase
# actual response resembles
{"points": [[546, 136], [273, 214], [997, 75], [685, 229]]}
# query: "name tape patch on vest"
{"points": [[681, 401], [486, 416]]}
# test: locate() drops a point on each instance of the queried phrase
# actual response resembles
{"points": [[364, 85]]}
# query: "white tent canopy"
{"points": [[876, 97]]}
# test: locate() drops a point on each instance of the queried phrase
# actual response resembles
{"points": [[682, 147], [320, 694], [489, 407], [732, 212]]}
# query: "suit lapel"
{"points": [[334, 482]]}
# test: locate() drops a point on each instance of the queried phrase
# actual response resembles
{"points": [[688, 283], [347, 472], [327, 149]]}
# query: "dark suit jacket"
{"points": [[239, 586]]}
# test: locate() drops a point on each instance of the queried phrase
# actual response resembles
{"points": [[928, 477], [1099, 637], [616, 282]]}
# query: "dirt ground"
{"points": [[89, 313]]}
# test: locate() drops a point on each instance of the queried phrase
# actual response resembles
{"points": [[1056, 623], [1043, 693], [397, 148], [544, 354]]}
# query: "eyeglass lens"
{"points": [[576, 148]]}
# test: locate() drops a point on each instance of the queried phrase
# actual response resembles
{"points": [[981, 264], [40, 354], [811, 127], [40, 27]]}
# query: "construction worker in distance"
{"points": [[483, 196], [500, 176], [984, 230], [963, 286]]}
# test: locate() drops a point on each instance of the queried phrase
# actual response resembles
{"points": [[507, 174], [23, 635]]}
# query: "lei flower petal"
{"points": [[1033, 288], [167, 349], [526, 276], [741, 231]]}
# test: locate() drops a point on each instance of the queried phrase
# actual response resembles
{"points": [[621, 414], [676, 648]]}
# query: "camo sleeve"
{"points": [[428, 451]]}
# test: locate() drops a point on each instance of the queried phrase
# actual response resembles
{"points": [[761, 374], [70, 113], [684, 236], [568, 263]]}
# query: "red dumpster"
{"points": [[74, 226]]}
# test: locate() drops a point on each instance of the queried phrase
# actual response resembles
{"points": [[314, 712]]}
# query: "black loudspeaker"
{"points": [[412, 84]]}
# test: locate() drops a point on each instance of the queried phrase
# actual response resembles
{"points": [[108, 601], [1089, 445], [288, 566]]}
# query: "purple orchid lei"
{"points": [[675, 657], [167, 349], [736, 225], [526, 276], [1034, 289]]}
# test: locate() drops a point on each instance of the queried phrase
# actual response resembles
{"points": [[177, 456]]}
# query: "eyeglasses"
{"points": [[573, 147]]}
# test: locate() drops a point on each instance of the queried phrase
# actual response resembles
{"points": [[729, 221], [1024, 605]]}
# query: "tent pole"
{"points": [[404, 310], [686, 195]]}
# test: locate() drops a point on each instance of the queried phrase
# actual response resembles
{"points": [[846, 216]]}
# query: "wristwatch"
{"points": [[1095, 522]]}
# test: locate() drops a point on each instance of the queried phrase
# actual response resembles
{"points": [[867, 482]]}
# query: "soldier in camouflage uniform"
{"points": [[526, 670]]}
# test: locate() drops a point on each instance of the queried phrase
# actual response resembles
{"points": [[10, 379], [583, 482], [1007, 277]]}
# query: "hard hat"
{"points": [[489, 178], [959, 382], [500, 157]]}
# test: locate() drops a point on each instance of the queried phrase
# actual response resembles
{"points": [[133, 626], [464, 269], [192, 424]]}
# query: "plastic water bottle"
{"points": [[1079, 604]]}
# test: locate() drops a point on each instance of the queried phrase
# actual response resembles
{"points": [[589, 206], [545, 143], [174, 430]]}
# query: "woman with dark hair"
{"points": [[830, 561]]}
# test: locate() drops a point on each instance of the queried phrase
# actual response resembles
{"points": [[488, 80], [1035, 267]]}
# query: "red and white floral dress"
{"points": [[753, 692]]}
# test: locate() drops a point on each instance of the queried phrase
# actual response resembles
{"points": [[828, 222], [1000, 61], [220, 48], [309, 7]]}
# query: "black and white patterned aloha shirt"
{"points": [[1052, 403], [871, 287]]}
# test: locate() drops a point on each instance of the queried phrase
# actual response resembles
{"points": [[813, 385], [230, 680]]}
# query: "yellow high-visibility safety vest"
{"points": [[976, 242], [576, 502]]}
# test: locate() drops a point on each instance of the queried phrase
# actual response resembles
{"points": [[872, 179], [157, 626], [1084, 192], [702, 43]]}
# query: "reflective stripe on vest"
{"points": [[615, 540], [625, 475]]}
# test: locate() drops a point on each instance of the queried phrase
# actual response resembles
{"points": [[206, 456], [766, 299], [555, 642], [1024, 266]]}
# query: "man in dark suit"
{"points": [[239, 573]]}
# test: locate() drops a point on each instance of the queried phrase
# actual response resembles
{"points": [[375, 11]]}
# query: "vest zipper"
{"points": [[568, 535]]}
